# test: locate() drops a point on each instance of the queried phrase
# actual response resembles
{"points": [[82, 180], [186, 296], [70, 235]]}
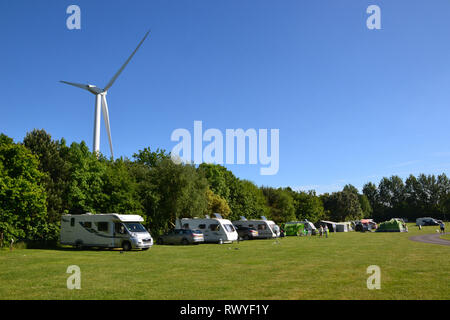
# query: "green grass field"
{"points": [[445, 237], [294, 268]]}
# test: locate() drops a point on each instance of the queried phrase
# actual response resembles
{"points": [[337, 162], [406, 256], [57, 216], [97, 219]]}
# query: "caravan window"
{"points": [[214, 227], [87, 224], [186, 226], [102, 226], [72, 222], [202, 226], [261, 227], [228, 227]]}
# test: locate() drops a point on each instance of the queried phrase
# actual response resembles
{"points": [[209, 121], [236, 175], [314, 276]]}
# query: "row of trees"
{"points": [[42, 178], [425, 195]]}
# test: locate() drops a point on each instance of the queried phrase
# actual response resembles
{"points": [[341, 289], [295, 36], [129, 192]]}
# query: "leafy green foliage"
{"points": [[42, 178], [23, 213]]}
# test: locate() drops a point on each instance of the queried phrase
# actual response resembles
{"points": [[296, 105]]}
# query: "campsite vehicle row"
{"points": [[127, 232]]}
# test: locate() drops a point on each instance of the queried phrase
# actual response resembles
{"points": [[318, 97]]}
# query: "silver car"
{"points": [[181, 236]]}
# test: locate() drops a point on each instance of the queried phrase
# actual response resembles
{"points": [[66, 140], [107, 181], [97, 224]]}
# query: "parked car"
{"points": [[426, 222], [181, 236], [246, 233], [365, 225]]}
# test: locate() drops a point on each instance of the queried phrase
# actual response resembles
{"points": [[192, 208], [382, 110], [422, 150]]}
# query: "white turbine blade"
{"points": [[82, 86], [106, 118], [110, 83]]}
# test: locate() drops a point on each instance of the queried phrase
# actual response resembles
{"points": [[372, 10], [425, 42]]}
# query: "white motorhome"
{"points": [[217, 230], [266, 228], [105, 230]]}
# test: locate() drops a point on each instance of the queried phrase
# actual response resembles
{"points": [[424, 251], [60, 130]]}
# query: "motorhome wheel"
{"points": [[126, 246], [79, 244]]}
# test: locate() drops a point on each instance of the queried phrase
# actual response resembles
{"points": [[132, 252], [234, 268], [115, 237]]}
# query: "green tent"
{"points": [[293, 229], [393, 225]]}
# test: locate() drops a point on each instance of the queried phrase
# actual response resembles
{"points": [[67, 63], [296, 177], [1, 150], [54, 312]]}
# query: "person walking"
{"points": [[326, 231], [321, 231], [442, 225]]}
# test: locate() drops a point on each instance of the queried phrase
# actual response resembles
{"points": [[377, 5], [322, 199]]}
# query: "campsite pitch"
{"points": [[291, 268]]}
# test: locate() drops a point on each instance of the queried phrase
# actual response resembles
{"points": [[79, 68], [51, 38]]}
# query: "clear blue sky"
{"points": [[352, 104]]}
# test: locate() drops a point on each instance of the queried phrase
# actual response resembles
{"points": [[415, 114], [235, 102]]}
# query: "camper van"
{"points": [[105, 230], [266, 228], [216, 230]]}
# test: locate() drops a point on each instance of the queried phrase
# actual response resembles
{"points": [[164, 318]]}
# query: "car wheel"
{"points": [[246, 237], [185, 241], [220, 241], [126, 246]]}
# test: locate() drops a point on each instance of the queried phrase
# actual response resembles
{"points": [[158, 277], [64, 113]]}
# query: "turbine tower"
{"points": [[100, 100]]}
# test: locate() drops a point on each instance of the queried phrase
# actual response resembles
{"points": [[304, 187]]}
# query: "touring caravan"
{"points": [[266, 228], [216, 230], [105, 230]]}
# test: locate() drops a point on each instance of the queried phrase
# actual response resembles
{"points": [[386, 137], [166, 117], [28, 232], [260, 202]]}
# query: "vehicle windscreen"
{"points": [[135, 227]]}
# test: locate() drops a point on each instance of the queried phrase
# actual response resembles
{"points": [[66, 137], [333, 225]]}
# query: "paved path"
{"points": [[431, 238]]}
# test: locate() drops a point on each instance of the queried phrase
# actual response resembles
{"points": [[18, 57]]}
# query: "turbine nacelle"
{"points": [[88, 87]]}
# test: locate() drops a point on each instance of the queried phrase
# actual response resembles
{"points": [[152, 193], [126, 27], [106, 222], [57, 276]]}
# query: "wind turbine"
{"points": [[100, 100]]}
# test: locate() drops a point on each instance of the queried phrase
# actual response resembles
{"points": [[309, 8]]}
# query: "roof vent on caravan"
{"points": [[207, 216], [263, 217], [88, 212], [218, 216], [243, 218]]}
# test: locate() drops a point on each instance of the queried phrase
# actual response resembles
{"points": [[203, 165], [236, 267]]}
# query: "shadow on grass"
{"points": [[55, 246]]}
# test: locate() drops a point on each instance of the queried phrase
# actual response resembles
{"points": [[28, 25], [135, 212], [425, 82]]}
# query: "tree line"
{"points": [[42, 178]]}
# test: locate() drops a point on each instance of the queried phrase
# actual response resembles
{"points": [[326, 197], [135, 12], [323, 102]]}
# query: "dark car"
{"points": [[246, 233], [181, 236]]}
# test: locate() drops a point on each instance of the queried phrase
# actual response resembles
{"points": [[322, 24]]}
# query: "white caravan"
{"points": [[217, 230], [105, 230], [266, 228]]}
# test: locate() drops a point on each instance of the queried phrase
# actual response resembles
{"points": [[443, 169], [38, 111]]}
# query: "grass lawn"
{"points": [[294, 268], [445, 236]]}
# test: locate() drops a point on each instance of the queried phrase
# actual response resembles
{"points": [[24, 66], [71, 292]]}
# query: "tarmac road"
{"points": [[431, 238]]}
